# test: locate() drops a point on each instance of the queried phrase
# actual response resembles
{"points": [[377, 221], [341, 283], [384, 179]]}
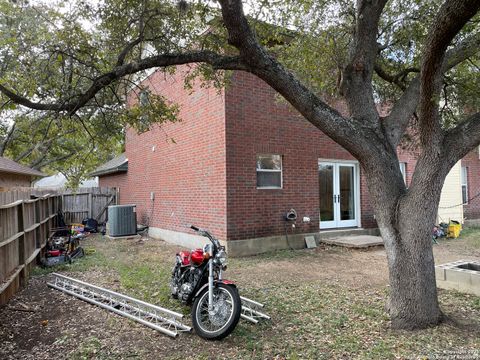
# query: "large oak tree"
{"points": [[420, 57]]}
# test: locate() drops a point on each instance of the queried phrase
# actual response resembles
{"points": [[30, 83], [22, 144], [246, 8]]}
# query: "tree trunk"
{"points": [[413, 299], [406, 219]]}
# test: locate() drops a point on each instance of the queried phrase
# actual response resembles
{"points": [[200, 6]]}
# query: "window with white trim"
{"points": [[464, 177], [403, 170], [269, 171]]}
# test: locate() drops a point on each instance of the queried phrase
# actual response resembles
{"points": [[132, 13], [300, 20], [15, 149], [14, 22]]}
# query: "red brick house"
{"points": [[471, 185], [113, 173], [240, 160]]}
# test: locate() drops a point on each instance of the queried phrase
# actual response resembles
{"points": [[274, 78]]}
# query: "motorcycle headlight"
{"points": [[221, 257]]}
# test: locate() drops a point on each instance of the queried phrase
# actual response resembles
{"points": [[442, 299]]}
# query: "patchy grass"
{"points": [[313, 317], [476, 303], [322, 321], [90, 348], [471, 237]]}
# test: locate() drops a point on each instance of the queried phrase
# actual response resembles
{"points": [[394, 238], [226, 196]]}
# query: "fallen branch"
{"points": [[23, 308]]}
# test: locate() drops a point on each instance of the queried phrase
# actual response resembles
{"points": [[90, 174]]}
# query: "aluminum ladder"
{"points": [[155, 317], [251, 310]]}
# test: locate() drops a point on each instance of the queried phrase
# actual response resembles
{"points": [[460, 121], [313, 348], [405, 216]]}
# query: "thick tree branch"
{"points": [[215, 60], [127, 49], [397, 79], [396, 123], [351, 135], [462, 139], [461, 52], [357, 76], [8, 138], [141, 33], [450, 19]]}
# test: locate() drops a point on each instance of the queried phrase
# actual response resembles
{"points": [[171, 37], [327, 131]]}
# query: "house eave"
{"points": [[32, 175], [117, 170]]}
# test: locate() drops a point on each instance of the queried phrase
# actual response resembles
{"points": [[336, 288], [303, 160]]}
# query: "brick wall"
{"points": [[410, 158], [258, 124], [472, 162], [118, 180], [187, 176]]}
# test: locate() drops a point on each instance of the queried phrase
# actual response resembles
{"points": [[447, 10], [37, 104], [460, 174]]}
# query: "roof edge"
{"points": [[34, 173], [119, 169]]}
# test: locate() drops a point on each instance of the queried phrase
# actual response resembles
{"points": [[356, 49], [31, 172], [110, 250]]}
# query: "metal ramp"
{"points": [[251, 310], [155, 317]]}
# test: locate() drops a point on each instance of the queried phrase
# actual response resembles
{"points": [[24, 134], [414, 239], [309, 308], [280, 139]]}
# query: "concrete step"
{"points": [[354, 241], [335, 233]]}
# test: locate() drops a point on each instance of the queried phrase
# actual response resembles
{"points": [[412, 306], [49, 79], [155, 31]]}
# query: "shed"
{"points": [[13, 174]]}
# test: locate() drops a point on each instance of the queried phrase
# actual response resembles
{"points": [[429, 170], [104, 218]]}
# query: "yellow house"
{"points": [[451, 203]]}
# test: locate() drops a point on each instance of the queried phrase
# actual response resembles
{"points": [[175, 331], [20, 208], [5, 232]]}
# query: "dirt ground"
{"points": [[42, 323], [353, 268]]}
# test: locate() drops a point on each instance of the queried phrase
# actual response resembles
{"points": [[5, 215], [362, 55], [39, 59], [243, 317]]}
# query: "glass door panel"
{"points": [[346, 174], [326, 173]]}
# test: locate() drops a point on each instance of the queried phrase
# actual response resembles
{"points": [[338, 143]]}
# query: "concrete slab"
{"points": [[440, 274], [310, 242], [129, 237], [357, 241], [336, 233]]}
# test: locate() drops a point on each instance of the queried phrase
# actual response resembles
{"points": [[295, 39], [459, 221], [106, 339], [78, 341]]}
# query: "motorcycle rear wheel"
{"points": [[227, 308]]}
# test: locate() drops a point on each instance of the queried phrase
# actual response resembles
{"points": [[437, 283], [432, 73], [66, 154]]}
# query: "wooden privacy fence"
{"points": [[8, 197], [24, 229], [77, 204], [88, 202], [25, 225]]}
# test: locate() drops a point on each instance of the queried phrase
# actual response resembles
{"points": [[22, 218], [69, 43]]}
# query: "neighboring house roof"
{"points": [[10, 166], [89, 183], [116, 165], [59, 180]]}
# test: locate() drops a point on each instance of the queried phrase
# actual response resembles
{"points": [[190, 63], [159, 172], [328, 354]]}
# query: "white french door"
{"points": [[339, 195]]}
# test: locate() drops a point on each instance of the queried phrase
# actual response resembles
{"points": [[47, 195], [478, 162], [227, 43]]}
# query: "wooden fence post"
{"points": [[36, 220], [21, 241], [90, 205]]}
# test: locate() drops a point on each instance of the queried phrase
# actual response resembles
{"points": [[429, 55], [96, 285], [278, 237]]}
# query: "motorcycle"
{"points": [[197, 278]]}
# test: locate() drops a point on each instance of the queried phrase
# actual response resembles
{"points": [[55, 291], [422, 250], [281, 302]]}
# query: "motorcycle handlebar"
{"points": [[206, 234]]}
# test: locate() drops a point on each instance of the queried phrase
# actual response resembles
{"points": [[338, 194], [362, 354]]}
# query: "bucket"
{"points": [[454, 228]]}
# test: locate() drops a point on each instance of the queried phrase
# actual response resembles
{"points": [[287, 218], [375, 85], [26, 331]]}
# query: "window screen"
{"points": [[269, 171]]}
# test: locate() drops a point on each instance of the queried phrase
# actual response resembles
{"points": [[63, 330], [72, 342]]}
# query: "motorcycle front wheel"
{"points": [[224, 316]]}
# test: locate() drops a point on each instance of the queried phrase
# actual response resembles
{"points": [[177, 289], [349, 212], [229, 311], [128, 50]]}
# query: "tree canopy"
{"points": [[51, 52], [79, 58]]}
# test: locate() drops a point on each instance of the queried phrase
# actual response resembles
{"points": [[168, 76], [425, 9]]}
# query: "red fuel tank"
{"points": [[197, 256]]}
